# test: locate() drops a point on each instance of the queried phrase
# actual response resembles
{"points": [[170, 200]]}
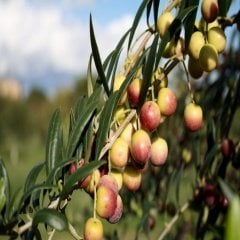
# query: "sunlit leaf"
{"points": [[227, 191], [97, 59], [2, 194], [53, 147], [51, 217], [148, 69], [83, 119], [30, 191], [115, 56], [232, 230], [32, 176], [89, 77], [136, 21], [5, 177], [105, 121]]}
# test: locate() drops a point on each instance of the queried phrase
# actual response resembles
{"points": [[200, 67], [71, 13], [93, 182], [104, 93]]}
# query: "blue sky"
{"points": [[45, 43]]}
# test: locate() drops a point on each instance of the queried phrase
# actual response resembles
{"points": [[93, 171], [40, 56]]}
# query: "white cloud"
{"points": [[35, 41]]}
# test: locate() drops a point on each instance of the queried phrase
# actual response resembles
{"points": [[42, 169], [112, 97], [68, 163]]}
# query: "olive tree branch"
{"points": [[117, 132], [170, 224]]}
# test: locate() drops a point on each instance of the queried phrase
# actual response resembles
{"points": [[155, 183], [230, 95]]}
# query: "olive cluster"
{"points": [[206, 43], [139, 143]]}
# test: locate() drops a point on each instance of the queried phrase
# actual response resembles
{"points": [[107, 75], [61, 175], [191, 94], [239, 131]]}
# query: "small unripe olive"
{"points": [[120, 115], [118, 177], [167, 101], [133, 92], [160, 79], [208, 57], [132, 178], [196, 43], [159, 152], [193, 116], [93, 229], [126, 134], [119, 79], [163, 23], [119, 153], [217, 38]]}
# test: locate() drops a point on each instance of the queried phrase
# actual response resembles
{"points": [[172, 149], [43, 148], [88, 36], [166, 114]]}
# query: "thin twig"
{"points": [[138, 52], [172, 5], [51, 234], [27, 225], [117, 133], [172, 222]]}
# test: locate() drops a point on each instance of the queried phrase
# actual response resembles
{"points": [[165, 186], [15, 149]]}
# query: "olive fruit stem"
{"points": [[74, 232], [138, 52], [94, 196], [189, 83], [170, 224]]}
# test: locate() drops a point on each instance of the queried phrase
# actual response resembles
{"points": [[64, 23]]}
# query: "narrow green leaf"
{"points": [[80, 174], [148, 12], [89, 77], [11, 205], [178, 182], [115, 56], [190, 21], [196, 150], [5, 177], [155, 10], [104, 122], [81, 104], [52, 217], [227, 191], [88, 142], [31, 190], [2, 194], [232, 230], [209, 158], [97, 58], [136, 21], [148, 69], [211, 133], [81, 122], [224, 6], [32, 176], [57, 169], [52, 147], [109, 108]]}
